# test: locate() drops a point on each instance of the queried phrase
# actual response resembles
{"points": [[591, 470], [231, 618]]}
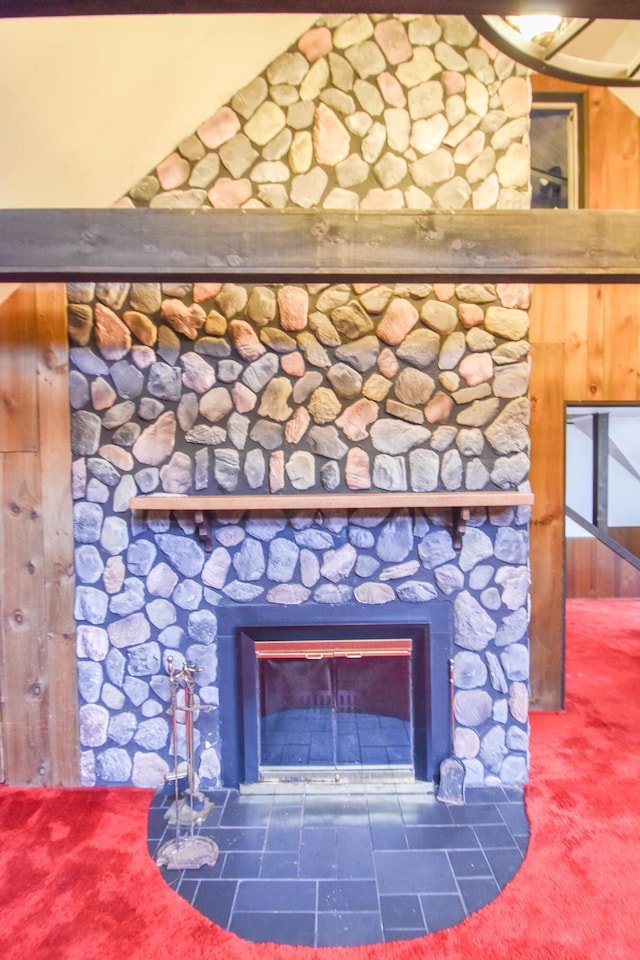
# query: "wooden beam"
{"points": [[548, 246], [232, 503], [622, 9]]}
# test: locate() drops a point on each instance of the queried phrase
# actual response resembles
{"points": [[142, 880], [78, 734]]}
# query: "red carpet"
{"points": [[76, 882]]}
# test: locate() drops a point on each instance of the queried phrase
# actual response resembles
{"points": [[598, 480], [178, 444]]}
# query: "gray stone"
{"points": [[515, 584], [90, 679], [229, 370], [265, 529], [147, 480], [115, 664], [476, 475], [150, 708], [449, 578], [90, 605], [114, 537], [326, 442], [226, 468], [366, 566], [390, 436], [476, 546], [496, 673], [333, 593], [152, 734], [249, 562], [88, 564], [451, 470], [103, 470], [300, 469], [361, 354], [185, 555], [148, 409], [85, 433], [513, 627], [435, 549], [129, 631], [94, 723], [490, 599], [87, 362], [473, 627], [338, 564], [515, 661], [314, 539], [469, 671], [92, 642], [307, 188], [140, 557], [216, 347], [172, 637], [514, 771], [283, 557], [161, 613], [395, 539], [260, 372], [144, 660], [517, 739], [130, 599], [137, 690], [416, 591], [205, 434], [149, 771], [206, 659], [512, 546], [202, 627], [309, 568], [127, 380], [493, 749], [424, 468], [420, 348], [112, 697], [242, 592], [164, 381], [508, 472], [389, 473], [78, 390], [122, 728], [192, 199], [330, 475], [114, 765], [472, 707]]}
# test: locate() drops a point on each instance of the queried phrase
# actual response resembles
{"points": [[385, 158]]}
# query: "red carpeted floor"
{"points": [[76, 881]]}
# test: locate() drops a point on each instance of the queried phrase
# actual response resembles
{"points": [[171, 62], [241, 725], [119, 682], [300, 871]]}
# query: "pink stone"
{"points": [[363, 287], [124, 203], [476, 368], [378, 199], [452, 82], [470, 148], [315, 43], [470, 315], [276, 471], [356, 418], [297, 426], [112, 335], [515, 96], [357, 471], [245, 340], [219, 128], [439, 408], [293, 304], [392, 39], [185, 320], [444, 291], [244, 399], [118, 456], [391, 89], [387, 363], [488, 47], [293, 364], [516, 295], [173, 171], [230, 193], [155, 444], [114, 574], [103, 395], [331, 139], [400, 317], [205, 291], [427, 135]]}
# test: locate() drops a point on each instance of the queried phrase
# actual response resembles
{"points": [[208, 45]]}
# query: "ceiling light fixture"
{"points": [[603, 52]]}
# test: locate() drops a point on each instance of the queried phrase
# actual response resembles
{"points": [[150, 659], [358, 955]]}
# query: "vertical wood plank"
{"points": [[547, 527], [18, 400], [55, 464], [23, 659]]}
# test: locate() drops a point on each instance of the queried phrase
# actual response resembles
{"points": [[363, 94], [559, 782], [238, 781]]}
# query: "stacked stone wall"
{"points": [[220, 388]]}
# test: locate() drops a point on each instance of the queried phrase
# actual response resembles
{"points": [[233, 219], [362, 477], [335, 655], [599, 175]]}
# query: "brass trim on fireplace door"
{"points": [[320, 649]]}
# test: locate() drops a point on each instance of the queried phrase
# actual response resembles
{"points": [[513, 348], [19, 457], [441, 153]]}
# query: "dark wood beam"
{"points": [[621, 10], [544, 246]]}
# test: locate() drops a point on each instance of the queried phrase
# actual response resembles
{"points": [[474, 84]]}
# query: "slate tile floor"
{"points": [[340, 866]]}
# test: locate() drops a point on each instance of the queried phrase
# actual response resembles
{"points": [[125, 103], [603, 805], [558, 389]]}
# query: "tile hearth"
{"points": [[349, 865]]}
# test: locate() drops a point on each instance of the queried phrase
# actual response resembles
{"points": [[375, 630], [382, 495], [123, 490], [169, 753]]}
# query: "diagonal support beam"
{"points": [[545, 246]]}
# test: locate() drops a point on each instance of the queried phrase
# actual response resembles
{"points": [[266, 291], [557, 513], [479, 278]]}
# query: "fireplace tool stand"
{"points": [[186, 851]]}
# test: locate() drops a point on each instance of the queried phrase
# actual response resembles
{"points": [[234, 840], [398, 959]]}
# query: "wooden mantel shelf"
{"points": [[233, 503]]}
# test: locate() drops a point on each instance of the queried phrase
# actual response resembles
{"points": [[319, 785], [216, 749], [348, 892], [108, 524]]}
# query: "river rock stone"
{"points": [[473, 627]]}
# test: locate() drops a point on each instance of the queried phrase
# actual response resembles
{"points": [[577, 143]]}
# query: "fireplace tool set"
{"points": [[186, 851]]}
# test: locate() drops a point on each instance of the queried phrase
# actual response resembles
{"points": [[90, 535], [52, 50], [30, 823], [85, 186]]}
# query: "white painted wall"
{"points": [[88, 105]]}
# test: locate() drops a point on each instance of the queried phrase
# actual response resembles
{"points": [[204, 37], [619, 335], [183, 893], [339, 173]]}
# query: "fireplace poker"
{"points": [[452, 772]]}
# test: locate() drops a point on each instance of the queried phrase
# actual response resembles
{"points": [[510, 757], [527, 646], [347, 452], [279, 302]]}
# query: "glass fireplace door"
{"points": [[335, 709]]}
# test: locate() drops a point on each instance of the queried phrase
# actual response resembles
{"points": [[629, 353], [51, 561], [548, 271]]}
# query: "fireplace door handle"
{"points": [[314, 656], [353, 656]]}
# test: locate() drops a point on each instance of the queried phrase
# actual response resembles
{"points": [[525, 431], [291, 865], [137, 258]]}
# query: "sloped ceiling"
{"points": [[88, 105]]}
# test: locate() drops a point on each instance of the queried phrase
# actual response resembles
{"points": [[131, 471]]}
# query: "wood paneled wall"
{"points": [[585, 345], [38, 698], [593, 570]]}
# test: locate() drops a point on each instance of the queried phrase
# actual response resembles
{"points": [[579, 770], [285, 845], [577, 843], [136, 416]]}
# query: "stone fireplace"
{"points": [[314, 389]]}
